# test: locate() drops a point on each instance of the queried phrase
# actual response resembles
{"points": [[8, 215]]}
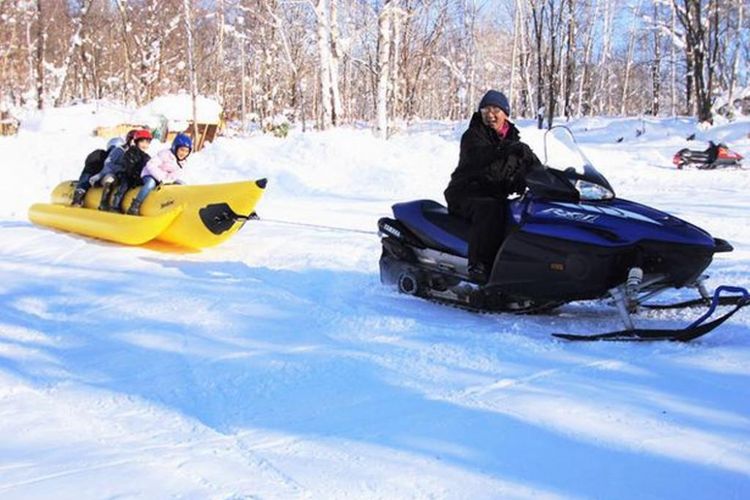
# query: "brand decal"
{"points": [[395, 232], [167, 203], [611, 211], [567, 214]]}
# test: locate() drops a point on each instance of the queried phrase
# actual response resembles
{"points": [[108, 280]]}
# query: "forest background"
{"points": [[324, 63]]}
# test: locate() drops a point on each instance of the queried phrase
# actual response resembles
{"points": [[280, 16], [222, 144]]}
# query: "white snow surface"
{"points": [[277, 365]]}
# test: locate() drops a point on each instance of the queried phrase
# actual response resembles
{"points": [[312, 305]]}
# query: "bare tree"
{"points": [[188, 18], [656, 65], [75, 43], [384, 54], [701, 38], [41, 38], [336, 61], [629, 60]]}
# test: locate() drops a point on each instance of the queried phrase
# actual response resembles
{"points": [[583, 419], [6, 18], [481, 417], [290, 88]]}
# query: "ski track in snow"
{"points": [[277, 366]]}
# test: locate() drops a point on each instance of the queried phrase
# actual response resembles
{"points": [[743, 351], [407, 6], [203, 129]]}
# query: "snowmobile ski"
{"points": [[693, 331]]}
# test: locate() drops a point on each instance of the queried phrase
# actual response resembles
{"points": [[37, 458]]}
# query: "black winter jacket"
{"points": [[94, 162], [132, 162], [489, 165]]}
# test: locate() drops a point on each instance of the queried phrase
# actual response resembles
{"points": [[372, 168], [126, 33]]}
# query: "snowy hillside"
{"points": [[277, 366]]}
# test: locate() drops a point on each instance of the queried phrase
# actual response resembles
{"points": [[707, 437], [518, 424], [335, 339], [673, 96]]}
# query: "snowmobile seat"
{"points": [[431, 223]]}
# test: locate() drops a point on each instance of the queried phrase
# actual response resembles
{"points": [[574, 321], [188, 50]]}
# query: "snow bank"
{"points": [[179, 108]]}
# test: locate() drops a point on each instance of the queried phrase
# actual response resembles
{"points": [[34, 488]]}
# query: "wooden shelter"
{"points": [[116, 130], [8, 124], [206, 134], [170, 115]]}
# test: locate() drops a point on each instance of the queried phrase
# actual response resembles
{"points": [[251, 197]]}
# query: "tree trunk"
{"points": [[335, 58], [384, 50], [396, 99], [128, 65], [656, 67], [584, 83], [75, 43], [698, 43], [552, 67], [629, 61], [324, 56], [191, 66], [735, 66], [219, 49], [243, 85], [570, 59], [470, 52], [514, 53], [40, 42], [538, 19]]}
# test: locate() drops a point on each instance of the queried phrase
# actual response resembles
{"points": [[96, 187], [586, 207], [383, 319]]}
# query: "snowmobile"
{"points": [[715, 156], [569, 238]]}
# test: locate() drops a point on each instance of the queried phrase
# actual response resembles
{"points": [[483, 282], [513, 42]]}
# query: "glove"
{"points": [[514, 175], [94, 179], [517, 184]]}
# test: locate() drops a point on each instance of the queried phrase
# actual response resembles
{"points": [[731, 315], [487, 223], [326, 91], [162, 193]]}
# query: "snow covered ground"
{"points": [[277, 366]]}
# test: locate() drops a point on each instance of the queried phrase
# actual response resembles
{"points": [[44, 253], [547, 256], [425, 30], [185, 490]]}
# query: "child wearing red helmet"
{"points": [[133, 161]]}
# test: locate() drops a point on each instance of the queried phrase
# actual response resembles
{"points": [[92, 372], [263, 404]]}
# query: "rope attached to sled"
{"points": [[219, 217], [322, 227]]}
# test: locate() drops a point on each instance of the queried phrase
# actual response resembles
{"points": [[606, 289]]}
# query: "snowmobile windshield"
{"points": [[562, 153]]}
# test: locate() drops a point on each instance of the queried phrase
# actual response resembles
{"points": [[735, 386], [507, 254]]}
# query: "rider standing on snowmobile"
{"points": [[490, 168]]}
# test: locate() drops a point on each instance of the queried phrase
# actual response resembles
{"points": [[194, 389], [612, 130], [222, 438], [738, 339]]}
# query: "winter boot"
{"points": [[478, 273], [78, 195], [106, 192], [135, 207]]}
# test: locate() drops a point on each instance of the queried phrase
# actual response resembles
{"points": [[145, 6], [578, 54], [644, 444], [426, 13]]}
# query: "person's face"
{"points": [[143, 144], [494, 117], [182, 152]]}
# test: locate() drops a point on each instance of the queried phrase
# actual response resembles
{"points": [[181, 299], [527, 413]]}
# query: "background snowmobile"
{"points": [[569, 238], [715, 156]]}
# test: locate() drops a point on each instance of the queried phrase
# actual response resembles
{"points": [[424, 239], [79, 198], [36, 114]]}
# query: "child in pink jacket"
{"points": [[164, 168]]}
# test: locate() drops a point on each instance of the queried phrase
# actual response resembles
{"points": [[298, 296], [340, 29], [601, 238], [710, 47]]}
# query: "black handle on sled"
{"points": [[219, 217]]}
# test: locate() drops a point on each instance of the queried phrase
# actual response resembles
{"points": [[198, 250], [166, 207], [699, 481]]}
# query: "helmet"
{"points": [[114, 143], [181, 141], [130, 135], [142, 134]]}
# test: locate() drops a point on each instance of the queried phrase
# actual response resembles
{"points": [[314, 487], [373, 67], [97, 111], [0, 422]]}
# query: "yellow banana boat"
{"points": [[208, 214], [103, 225]]}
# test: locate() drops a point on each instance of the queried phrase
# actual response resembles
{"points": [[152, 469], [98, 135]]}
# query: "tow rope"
{"points": [[315, 226]]}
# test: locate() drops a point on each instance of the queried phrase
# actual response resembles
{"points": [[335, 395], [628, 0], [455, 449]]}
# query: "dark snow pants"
{"points": [[487, 216]]}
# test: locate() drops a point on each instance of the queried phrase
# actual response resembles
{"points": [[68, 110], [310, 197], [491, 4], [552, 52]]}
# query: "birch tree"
{"points": [[41, 39], [188, 18], [74, 44], [384, 54]]}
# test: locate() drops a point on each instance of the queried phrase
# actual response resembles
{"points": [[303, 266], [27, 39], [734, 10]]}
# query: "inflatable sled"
{"points": [[190, 216]]}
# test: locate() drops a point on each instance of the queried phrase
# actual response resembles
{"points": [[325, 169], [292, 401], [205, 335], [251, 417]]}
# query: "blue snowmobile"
{"points": [[569, 238]]}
